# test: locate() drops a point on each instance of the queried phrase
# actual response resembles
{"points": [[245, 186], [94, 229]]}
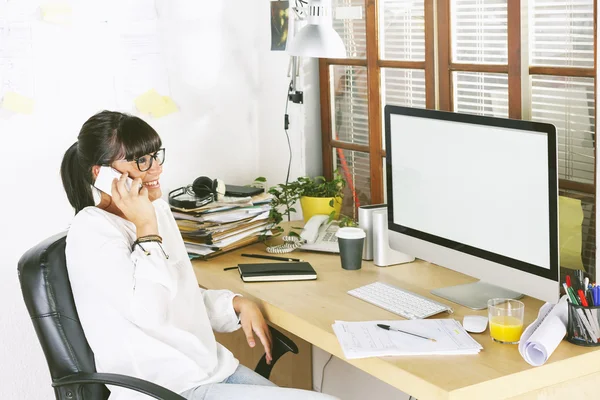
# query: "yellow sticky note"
{"points": [[569, 236], [17, 103], [56, 13], [154, 104]]}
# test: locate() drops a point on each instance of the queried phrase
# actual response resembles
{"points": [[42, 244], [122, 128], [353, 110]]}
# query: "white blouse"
{"points": [[144, 315]]}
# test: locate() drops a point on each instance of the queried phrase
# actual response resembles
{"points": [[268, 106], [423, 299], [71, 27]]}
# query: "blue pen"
{"points": [[597, 291]]}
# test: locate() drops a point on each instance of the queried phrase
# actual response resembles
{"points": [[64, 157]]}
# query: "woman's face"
{"points": [[150, 178]]}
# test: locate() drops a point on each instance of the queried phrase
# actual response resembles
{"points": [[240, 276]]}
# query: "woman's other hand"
{"points": [[135, 205], [253, 322]]}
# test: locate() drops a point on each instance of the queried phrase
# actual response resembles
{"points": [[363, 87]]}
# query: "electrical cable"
{"points": [[323, 372], [285, 127], [286, 124]]}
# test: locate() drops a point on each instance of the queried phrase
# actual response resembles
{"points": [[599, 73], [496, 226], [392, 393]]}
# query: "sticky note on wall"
{"points": [[17, 103], [569, 232], [154, 104], [56, 13]]}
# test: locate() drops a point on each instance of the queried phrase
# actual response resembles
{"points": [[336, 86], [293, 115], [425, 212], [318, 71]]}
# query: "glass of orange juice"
{"points": [[506, 320]]}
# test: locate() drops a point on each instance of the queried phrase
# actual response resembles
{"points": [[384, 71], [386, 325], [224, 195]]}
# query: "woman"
{"points": [[133, 284]]}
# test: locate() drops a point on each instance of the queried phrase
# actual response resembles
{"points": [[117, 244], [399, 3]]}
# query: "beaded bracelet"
{"points": [[147, 239]]}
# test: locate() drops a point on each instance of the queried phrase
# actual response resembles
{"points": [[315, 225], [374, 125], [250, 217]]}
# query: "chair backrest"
{"points": [[49, 299]]}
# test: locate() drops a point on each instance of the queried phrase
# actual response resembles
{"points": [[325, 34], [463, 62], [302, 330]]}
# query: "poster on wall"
{"points": [[279, 24], [142, 80]]}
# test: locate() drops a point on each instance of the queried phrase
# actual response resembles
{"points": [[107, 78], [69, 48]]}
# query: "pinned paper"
{"points": [[17, 103], [57, 13], [570, 237], [154, 104]]}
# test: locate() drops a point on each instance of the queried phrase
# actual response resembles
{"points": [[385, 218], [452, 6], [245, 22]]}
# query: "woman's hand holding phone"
{"points": [[135, 205]]}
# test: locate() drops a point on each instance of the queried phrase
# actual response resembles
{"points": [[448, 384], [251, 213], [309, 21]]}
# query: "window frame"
{"points": [[438, 83]]}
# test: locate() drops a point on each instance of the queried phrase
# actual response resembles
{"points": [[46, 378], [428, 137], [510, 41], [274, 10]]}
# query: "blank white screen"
{"points": [[482, 186]]}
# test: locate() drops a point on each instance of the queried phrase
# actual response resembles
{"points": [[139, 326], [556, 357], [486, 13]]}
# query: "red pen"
{"points": [[582, 298], [568, 280]]}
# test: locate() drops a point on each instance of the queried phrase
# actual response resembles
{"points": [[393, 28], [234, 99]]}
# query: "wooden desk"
{"points": [[308, 309]]}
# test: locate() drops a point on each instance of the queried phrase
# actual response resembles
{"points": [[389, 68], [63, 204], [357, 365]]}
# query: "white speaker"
{"points": [[365, 222], [383, 255]]}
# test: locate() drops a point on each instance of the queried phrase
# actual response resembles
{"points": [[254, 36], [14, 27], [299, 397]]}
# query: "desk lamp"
{"points": [[317, 39]]}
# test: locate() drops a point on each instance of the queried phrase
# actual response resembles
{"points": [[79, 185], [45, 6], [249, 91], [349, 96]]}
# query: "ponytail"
{"points": [[76, 180]]}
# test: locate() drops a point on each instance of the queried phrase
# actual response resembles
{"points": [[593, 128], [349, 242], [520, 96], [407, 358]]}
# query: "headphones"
{"points": [[204, 186], [204, 190]]}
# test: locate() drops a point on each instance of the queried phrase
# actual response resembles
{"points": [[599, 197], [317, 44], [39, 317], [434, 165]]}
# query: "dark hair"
{"points": [[104, 138]]}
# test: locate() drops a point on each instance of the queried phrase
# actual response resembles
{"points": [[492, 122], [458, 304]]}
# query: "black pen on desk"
{"points": [[228, 268], [389, 328], [271, 257]]}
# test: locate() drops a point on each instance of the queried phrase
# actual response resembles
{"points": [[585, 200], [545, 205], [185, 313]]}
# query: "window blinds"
{"points": [[481, 93], [480, 36], [568, 104], [479, 31], [402, 30], [402, 38], [562, 32], [349, 107], [352, 31], [562, 35]]}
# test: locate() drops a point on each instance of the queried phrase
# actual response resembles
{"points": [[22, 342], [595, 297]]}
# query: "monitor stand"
{"points": [[475, 295]]}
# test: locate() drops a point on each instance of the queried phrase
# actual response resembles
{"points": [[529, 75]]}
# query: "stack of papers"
{"points": [[218, 227], [366, 339]]}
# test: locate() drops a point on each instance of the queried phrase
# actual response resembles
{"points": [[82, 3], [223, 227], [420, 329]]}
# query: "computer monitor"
{"points": [[477, 195]]}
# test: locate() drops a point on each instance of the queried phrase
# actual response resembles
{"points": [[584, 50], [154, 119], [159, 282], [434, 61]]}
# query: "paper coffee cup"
{"points": [[351, 242]]}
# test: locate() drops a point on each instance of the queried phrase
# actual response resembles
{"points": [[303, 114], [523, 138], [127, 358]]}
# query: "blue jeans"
{"points": [[248, 385]]}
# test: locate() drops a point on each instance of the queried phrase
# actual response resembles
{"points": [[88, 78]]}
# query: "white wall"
{"points": [[214, 78], [231, 91]]}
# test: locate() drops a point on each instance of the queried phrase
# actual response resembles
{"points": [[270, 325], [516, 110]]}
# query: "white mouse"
{"points": [[475, 323]]}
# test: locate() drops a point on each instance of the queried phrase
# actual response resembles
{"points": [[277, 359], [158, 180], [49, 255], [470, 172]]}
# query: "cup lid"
{"points": [[350, 233]]}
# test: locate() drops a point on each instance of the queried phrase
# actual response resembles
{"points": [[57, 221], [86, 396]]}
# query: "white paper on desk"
{"points": [[542, 337], [365, 339]]}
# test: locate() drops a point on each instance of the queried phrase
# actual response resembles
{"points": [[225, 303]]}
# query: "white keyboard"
{"points": [[399, 301]]}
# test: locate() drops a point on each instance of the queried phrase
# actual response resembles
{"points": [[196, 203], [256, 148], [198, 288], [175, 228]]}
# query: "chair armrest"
{"points": [[129, 382], [281, 345]]}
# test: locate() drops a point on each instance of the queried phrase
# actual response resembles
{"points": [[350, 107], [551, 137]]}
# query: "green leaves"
{"points": [[286, 195]]}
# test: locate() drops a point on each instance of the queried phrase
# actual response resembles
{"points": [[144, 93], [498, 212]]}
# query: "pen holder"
{"points": [[583, 326]]}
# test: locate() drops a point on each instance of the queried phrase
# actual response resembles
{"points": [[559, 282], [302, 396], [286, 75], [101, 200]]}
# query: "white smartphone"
{"points": [[105, 179]]}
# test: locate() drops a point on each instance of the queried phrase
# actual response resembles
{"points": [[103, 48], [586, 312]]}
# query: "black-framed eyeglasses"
{"points": [[144, 163]]}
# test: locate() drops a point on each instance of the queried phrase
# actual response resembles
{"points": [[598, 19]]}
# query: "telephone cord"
{"points": [[290, 243]]}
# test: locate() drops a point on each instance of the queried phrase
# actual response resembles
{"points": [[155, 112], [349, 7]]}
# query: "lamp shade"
{"points": [[317, 41], [318, 38]]}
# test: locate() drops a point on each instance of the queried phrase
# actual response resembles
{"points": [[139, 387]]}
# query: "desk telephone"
{"points": [[318, 235]]}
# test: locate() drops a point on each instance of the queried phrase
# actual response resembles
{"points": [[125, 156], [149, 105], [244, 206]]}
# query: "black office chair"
{"points": [[47, 292]]}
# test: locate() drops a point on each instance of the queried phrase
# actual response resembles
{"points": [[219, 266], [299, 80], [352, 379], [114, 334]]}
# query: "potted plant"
{"points": [[317, 196]]}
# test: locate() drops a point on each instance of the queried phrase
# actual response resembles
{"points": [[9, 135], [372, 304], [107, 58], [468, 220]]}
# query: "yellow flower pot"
{"points": [[320, 205]]}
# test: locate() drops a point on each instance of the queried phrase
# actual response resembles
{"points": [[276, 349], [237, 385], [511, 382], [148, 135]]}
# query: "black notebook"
{"points": [[277, 271]]}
